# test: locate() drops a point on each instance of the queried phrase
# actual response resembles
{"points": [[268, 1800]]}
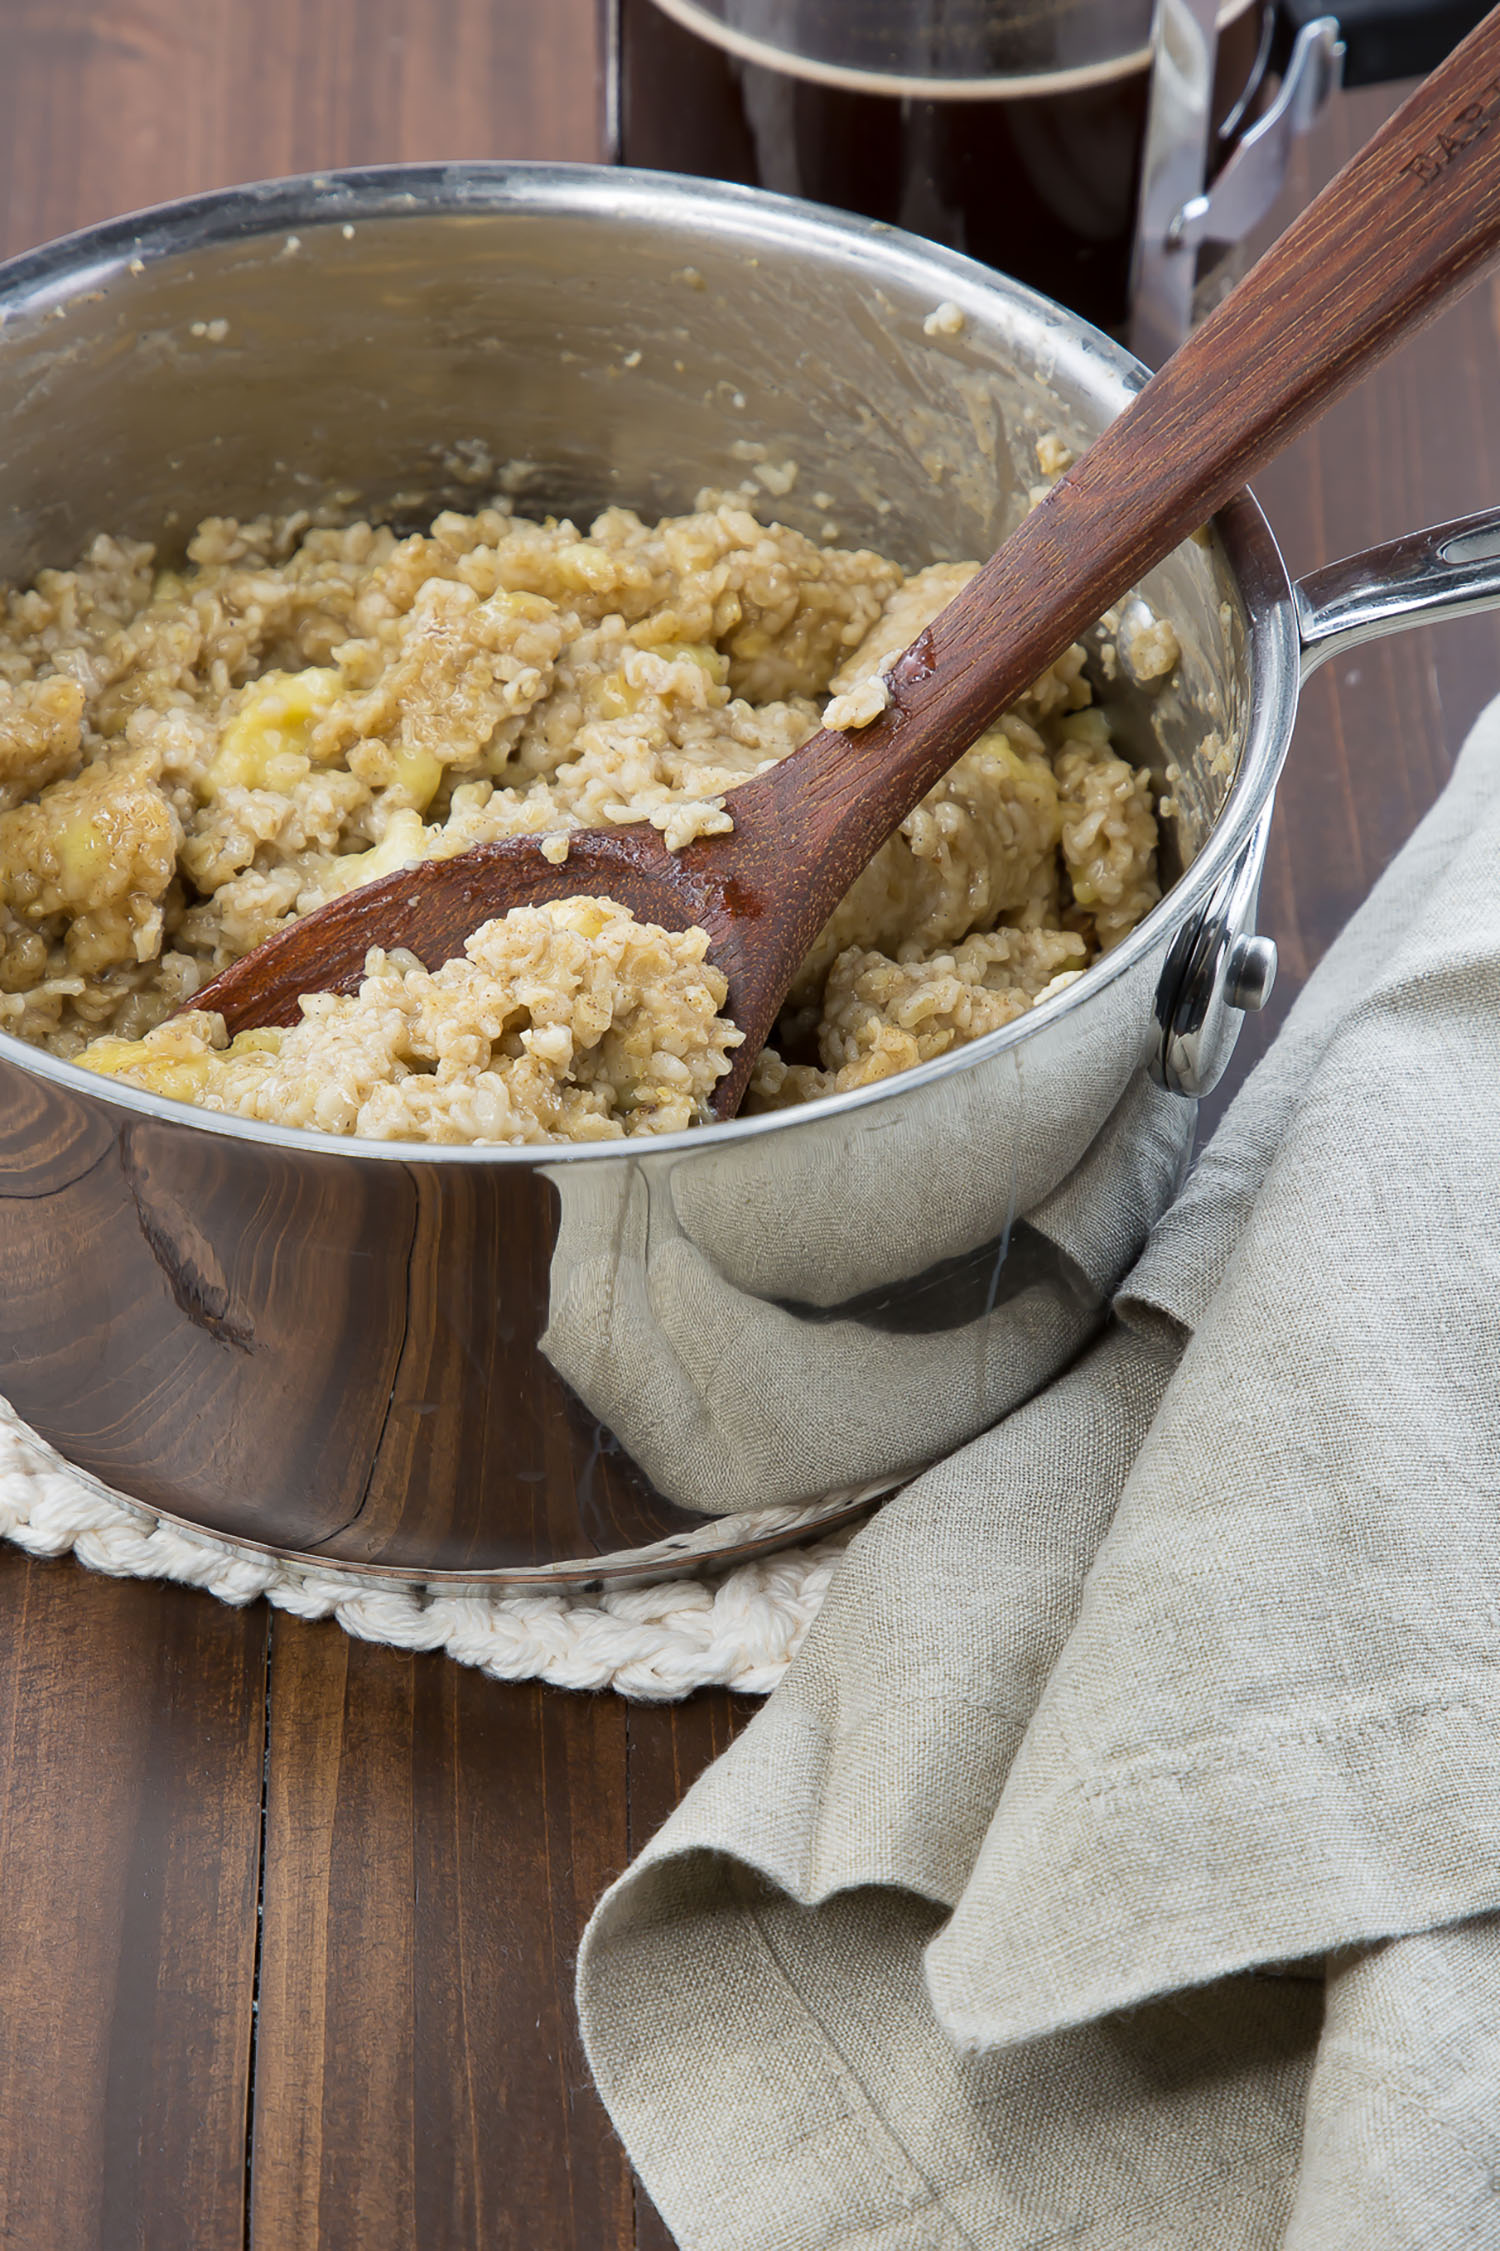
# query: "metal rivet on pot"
{"points": [[1250, 972]]}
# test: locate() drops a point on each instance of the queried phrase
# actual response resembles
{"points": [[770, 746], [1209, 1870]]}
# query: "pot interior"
{"points": [[396, 341]]}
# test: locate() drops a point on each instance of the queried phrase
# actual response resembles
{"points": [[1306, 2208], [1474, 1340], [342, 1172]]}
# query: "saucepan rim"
{"points": [[98, 257]]}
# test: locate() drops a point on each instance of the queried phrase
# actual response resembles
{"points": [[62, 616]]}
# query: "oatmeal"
{"points": [[190, 758], [566, 1022]]}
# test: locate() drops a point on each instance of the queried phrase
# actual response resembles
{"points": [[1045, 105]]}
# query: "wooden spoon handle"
{"points": [[1407, 225], [1411, 221]]}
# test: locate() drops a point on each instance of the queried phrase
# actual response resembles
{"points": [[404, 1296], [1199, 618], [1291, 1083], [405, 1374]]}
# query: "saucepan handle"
{"points": [[1217, 963], [1452, 570]]}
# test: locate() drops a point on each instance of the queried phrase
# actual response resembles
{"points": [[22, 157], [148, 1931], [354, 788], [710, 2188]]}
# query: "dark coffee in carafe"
{"points": [[1011, 132]]}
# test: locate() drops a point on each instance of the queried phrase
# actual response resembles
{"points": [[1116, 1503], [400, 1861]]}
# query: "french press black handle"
{"points": [[1383, 39]]}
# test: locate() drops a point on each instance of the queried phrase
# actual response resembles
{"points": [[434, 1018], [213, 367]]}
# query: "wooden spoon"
{"points": [[1407, 225]]}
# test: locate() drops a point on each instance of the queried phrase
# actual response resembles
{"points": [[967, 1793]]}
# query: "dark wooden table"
{"points": [[288, 1921]]}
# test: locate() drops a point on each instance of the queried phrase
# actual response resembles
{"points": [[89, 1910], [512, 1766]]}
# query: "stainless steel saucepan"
{"points": [[578, 1365]]}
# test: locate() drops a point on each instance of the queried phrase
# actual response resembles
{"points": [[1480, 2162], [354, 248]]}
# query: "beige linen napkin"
{"points": [[1186, 1673]]}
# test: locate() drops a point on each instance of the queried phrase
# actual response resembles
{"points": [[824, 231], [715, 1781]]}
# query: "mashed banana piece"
{"points": [[191, 758]]}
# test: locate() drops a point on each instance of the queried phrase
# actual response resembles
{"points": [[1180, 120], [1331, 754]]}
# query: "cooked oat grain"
{"points": [[190, 758]]}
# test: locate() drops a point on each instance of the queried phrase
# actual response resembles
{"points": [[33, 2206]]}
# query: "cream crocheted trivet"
{"points": [[652, 1643]]}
